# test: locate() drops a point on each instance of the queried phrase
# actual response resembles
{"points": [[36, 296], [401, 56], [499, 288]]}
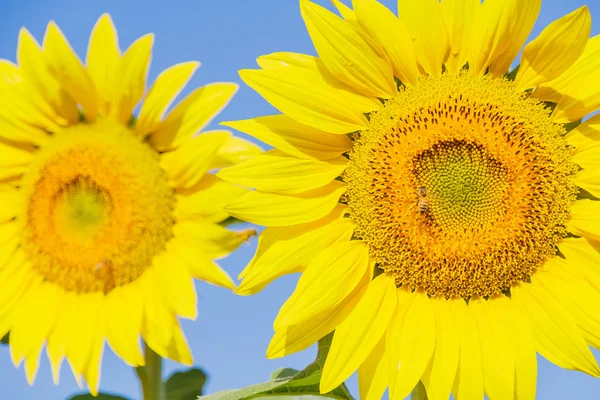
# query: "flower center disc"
{"points": [[99, 208], [460, 186]]}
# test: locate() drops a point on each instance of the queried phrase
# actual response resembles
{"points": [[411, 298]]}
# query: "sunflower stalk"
{"points": [[419, 392], [150, 376]]}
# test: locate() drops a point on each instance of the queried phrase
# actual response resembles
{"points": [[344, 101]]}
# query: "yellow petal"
{"points": [[103, 60], [12, 204], [410, 342], [329, 278], [177, 285], [469, 379], [578, 297], [167, 86], [585, 219], [425, 22], [293, 338], [314, 65], [583, 258], [124, 322], [499, 31], [214, 240], [558, 46], [280, 210], [588, 179], [346, 54], [186, 165], [289, 249], [34, 68], [357, 336], [345, 11], [24, 118], [557, 336], [199, 264], [157, 325], [33, 320], [308, 99], [56, 346], [192, 114], [294, 138], [524, 13], [498, 353], [91, 371], [373, 373], [66, 67], [587, 155], [575, 90], [278, 172], [381, 24], [31, 365], [207, 200], [444, 363], [179, 350], [13, 160], [585, 133], [235, 150], [458, 18], [131, 81]]}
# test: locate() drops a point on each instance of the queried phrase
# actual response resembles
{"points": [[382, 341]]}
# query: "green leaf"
{"points": [[101, 396], [513, 74], [289, 383], [185, 385], [4, 339]]}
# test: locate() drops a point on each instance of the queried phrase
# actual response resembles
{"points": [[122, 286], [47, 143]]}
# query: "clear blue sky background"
{"points": [[231, 334]]}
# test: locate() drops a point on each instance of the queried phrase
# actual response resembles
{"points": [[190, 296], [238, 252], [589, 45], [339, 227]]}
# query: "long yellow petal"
{"points": [[89, 321], [278, 172], [346, 12], [578, 297], [585, 219], [294, 138], [314, 65], [179, 350], [558, 46], [199, 264], [186, 165], [498, 354], [192, 114], [586, 132], [557, 336], [410, 343], [103, 60], [281, 210], [357, 336], [167, 86], [575, 90], [176, 284], [34, 68], [469, 384], [12, 204], [66, 67], [345, 53], [59, 337], [373, 373], [213, 239], [289, 249], [91, 372], [444, 363], [583, 258], [157, 326], [328, 279], [124, 322], [13, 160], [293, 338], [307, 98], [131, 81], [587, 155], [207, 200], [589, 179], [499, 31], [236, 150], [381, 24], [458, 18], [426, 24]]}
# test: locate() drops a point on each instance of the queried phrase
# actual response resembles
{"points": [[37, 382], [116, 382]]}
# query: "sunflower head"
{"points": [[442, 208], [108, 215]]}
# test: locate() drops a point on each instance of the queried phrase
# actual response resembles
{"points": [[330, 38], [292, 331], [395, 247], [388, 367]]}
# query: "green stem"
{"points": [[419, 392], [150, 376]]}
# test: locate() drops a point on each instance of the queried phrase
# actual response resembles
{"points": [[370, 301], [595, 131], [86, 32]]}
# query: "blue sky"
{"points": [[231, 334]]}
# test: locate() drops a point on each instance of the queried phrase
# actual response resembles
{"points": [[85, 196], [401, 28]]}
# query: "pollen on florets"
{"points": [[460, 186]]}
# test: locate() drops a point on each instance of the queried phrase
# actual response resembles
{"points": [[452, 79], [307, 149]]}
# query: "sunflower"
{"points": [[107, 216], [443, 211]]}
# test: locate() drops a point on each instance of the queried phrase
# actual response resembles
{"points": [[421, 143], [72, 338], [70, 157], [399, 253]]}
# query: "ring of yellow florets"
{"points": [[98, 208], [460, 186]]}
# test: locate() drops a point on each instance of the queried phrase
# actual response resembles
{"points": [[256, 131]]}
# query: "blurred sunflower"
{"points": [[106, 217], [445, 226]]}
